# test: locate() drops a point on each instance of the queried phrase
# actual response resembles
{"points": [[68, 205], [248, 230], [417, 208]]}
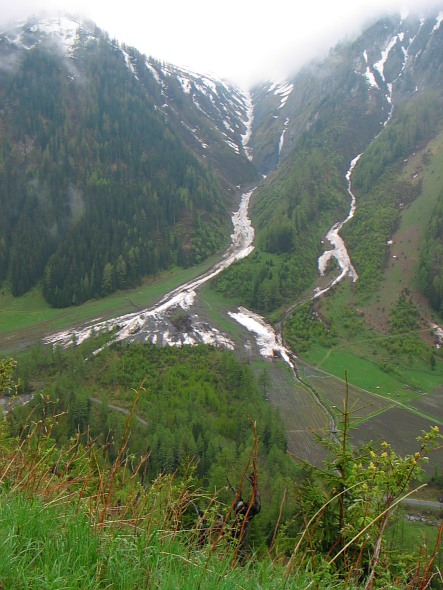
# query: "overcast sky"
{"points": [[244, 41]]}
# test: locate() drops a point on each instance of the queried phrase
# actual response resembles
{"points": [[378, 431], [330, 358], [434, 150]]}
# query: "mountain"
{"points": [[360, 82], [378, 99], [113, 166]]}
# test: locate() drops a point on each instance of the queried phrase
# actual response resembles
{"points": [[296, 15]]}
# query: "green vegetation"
{"points": [[118, 472], [195, 404], [431, 259], [414, 124], [73, 515], [305, 328], [290, 214], [98, 191], [264, 281], [376, 362], [350, 498], [382, 192], [125, 557]]}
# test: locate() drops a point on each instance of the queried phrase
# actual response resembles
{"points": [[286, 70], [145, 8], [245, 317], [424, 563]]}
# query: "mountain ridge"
{"points": [[333, 108], [95, 127]]}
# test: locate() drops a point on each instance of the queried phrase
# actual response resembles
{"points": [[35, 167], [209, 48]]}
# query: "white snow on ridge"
{"points": [[63, 29], [380, 65], [439, 21], [210, 84], [281, 88], [339, 251], [285, 89], [185, 84]]}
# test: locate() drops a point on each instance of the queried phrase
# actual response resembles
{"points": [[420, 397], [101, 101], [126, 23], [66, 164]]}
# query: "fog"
{"points": [[241, 41]]}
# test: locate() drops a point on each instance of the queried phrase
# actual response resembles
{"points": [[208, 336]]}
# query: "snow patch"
{"points": [[439, 21], [185, 83], [339, 251], [154, 72], [380, 65], [233, 145], [268, 341], [129, 63], [248, 124], [64, 29], [282, 136], [281, 88], [371, 78], [153, 324], [438, 332]]}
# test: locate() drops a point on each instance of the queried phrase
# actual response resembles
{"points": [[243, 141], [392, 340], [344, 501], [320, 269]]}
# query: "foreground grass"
{"points": [[47, 546], [71, 520]]}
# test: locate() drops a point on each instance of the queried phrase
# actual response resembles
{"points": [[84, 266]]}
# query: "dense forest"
{"points": [[194, 405], [97, 190]]}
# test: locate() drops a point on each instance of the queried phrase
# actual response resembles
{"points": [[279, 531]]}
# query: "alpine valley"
{"points": [[121, 176], [204, 291]]}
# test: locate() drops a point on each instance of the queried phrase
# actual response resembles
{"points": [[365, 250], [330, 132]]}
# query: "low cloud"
{"points": [[237, 40]]}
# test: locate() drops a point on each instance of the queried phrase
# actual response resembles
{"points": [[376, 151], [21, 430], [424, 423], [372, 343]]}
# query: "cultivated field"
{"points": [[431, 403], [333, 390], [302, 414], [400, 428]]}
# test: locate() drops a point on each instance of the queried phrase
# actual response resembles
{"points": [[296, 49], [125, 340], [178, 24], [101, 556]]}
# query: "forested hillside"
{"points": [[431, 259], [378, 96], [383, 192], [98, 187], [192, 405]]}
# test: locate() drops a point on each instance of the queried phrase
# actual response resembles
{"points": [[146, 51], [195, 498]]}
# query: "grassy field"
{"points": [[413, 535], [367, 374], [404, 251]]}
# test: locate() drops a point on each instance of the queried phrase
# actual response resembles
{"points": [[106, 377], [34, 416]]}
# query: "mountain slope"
{"points": [[355, 86], [114, 165], [102, 179], [379, 95]]}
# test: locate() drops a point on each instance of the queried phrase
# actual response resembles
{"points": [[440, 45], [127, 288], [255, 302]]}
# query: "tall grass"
{"points": [[71, 519]]}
